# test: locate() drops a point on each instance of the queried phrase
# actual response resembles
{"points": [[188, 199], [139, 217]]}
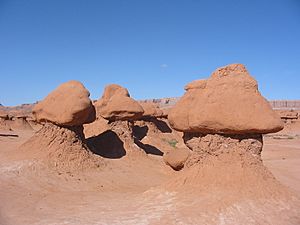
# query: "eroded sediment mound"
{"points": [[62, 148], [68, 105], [225, 161], [227, 102], [116, 104], [204, 145]]}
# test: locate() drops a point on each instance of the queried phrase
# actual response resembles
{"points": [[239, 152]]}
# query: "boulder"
{"points": [[68, 105], [116, 104], [176, 158], [228, 102]]}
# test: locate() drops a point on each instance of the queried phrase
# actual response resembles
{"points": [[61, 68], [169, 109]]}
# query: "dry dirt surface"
{"points": [[129, 190]]}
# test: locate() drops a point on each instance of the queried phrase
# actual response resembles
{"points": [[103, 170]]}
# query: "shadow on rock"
{"points": [[140, 132], [107, 145], [149, 149], [161, 125]]}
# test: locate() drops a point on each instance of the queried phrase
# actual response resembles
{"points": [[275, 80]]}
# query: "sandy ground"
{"points": [[123, 192]]}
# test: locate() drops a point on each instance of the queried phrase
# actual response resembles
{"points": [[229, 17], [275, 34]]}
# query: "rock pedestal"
{"points": [[214, 145], [62, 148]]}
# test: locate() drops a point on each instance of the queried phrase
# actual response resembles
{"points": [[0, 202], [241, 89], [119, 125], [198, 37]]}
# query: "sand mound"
{"points": [[226, 162], [228, 177], [62, 149]]}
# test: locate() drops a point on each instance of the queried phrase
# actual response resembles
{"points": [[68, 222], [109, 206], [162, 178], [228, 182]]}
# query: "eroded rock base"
{"points": [[62, 148], [214, 145]]}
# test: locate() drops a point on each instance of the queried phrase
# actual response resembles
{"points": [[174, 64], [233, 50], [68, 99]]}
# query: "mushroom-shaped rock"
{"points": [[151, 110], [228, 102], [68, 105], [116, 104], [176, 158]]}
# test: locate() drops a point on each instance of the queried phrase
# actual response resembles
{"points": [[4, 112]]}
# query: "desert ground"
{"points": [[123, 192], [220, 155]]}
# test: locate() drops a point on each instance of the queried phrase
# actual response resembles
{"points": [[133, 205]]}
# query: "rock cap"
{"points": [[228, 102], [68, 105], [116, 104]]}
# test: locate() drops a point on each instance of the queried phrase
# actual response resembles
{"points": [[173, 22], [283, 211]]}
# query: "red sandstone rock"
{"points": [[68, 105], [116, 104], [229, 102]]}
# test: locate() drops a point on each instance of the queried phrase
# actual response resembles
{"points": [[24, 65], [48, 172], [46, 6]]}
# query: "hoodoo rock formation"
{"points": [[223, 119], [120, 111], [61, 142], [224, 114]]}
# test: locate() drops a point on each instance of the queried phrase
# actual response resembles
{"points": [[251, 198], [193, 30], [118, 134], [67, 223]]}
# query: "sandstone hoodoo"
{"points": [[223, 119], [61, 142], [120, 111], [223, 114], [227, 106]]}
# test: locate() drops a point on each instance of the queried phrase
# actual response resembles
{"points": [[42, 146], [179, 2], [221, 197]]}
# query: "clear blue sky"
{"points": [[151, 47]]}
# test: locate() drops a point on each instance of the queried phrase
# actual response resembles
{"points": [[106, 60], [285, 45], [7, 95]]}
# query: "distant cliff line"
{"points": [[275, 104], [169, 102]]}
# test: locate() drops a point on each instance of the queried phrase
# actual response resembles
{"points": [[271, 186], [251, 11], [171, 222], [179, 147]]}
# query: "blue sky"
{"points": [[151, 47]]}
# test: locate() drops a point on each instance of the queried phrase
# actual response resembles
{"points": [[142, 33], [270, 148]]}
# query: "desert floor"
{"points": [[122, 192]]}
